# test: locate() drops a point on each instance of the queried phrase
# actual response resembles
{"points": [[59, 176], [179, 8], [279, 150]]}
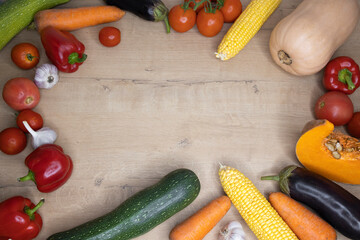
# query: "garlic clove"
{"points": [[42, 136], [232, 231], [46, 76]]}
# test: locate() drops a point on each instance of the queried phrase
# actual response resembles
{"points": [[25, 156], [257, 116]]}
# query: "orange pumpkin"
{"points": [[329, 153]]}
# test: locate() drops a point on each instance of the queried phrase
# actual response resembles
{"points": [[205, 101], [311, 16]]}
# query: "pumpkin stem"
{"points": [[284, 57]]}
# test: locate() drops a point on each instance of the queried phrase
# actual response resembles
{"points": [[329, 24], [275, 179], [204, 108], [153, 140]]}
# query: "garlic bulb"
{"points": [[232, 231], [42, 136], [46, 76]]}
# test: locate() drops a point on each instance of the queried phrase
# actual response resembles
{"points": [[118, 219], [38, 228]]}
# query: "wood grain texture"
{"points": [[158, 102]]}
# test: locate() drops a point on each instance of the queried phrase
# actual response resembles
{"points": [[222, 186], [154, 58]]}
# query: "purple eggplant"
{"points": [[150, 10], [333, 203]]}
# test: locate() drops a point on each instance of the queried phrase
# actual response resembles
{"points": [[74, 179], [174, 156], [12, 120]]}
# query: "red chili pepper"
{"points": [[19, 220], [342, 74], [63, 49], [48, 167]]}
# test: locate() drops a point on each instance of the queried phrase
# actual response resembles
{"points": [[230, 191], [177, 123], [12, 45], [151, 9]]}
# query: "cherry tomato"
{"points": [[180, 19], [34, 119], [21, 93], [334, 106], [25, 55], [192, 5], [12, 141], [353, 127], [209, 24], [110, 36], [231, 10]]}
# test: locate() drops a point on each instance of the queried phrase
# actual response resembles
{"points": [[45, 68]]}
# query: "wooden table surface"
{"points": [[158, 102]]}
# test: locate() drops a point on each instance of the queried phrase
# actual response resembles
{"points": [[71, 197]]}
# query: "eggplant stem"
{"points": [[282, 178], [166, 20], [275, 178]]}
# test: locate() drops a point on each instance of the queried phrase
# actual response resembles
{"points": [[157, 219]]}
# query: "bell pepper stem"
{"points": [[74, 58], [31, 211], [29, 176], [345, 76]]}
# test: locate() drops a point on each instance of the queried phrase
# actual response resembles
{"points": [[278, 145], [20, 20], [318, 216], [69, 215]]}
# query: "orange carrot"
{"points": [[305, 224], [74, 18], [199, 224]]}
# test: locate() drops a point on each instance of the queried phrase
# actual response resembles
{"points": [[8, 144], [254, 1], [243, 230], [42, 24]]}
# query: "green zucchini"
{"points": [[141, 212], [15, 15]]}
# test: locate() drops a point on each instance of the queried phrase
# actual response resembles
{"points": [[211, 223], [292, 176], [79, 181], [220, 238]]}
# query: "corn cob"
{"points": [[258, 213], [245, 27]]}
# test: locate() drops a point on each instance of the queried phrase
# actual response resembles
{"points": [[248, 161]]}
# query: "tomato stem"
{"points": [[210, 7], [220, 4], [30, 57], [197, 4], [186, 5]]}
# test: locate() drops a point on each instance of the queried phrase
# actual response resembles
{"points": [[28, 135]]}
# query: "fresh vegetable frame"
{"points": [[282, 216]]}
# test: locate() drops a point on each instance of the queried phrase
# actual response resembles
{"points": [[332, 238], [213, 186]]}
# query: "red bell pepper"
{"points": [[63, 49], [48, 167], [342, 74], [19, 219]]}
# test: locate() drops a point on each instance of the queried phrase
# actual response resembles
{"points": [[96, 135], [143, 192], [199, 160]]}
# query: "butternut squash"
{"points": [[303, 42], [329, 153]]}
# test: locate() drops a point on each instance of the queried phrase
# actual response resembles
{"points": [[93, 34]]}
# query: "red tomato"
{"points": [[33, 119], [209, 24], [192, 5], [110, 36], [334, 106], [180, 19], [231, 10], [25, 55], [21, 93], [12, 141], [353, 127]]}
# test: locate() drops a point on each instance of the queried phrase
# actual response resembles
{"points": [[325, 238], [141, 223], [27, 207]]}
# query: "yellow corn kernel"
{"points": [[245, 27], [258, 213]]}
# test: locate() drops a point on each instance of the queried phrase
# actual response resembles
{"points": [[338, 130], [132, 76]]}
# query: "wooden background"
{"points": [[158, 102]]}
